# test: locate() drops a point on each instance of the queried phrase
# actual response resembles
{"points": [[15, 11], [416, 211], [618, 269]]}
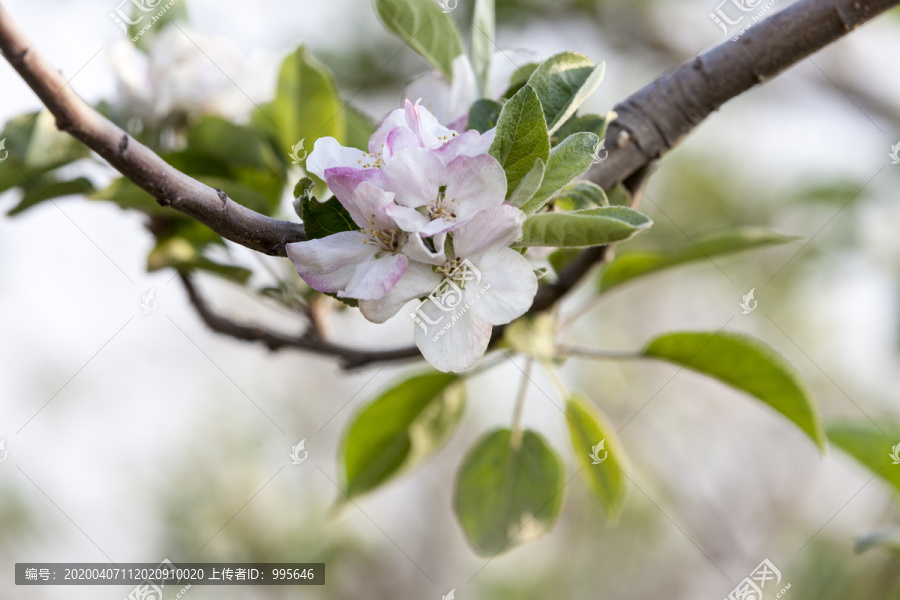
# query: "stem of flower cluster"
{"points": [[515, 438]]}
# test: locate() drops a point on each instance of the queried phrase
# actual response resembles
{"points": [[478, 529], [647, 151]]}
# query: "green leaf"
{"points": [[360, 128], [47, 187], [581, 195], [518, 79], [748, 365], [529, 185], [508, 494], [425, 28], [872, 444], [482, 41], [720, 243], [129, 196], [582, 228], [563, 82], [399, 430], [571, 159], [595, 124], [619, 196], [234, 145], [521, 137], [321, 219], [887, 538], [484, 115], [176, 12], [593, 436], [178, 253], [306, 105]]}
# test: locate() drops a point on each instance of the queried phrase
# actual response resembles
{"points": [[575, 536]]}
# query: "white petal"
{"points": [[328, 264], [434, 90], [373, 204], [450, 341], [431, 133], [492, 228], [463, 90], [507, 287], [417, 281], [476, 184], [503, 64], [328, 153], [414, 175], [373, 279], [344, 181], [396, 118], [416, 249], [406, 218], [468, 143]]}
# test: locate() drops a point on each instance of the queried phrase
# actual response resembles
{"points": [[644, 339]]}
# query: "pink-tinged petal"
{"points": [[406, 218], [416, 249], [508, 285], [434, 90], [343, 182], [475, 184], [328, 153], [492, 228], [430, 132], [328, 264], [396, 118], [414, 175], [372, 205], [504, 63], [400, 138], [468, 143], [451, 341], [373, 279], [417, 281]]}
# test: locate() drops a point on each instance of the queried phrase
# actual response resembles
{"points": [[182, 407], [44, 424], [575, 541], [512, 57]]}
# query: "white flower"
{"points": [[184, 72], [450, 101], [486, 283]]}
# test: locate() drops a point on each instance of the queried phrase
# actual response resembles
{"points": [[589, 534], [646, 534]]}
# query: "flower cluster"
{"points": [[428, 202]]}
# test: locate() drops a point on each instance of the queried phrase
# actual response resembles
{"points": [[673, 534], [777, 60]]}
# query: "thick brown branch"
{"points": [[654, 119], [135, 161], [310, 342]]}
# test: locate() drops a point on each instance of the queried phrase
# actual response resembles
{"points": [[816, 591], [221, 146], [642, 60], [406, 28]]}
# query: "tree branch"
{"points": [[310, 341], [137, 162], [650, 123]]}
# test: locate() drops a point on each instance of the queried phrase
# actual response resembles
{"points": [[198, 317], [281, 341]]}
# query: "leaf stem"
{"points": [[515, 439], [554, 377]]}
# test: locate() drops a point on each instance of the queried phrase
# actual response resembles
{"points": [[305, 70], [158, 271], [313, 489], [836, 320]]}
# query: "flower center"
{"points": [[441, 207], [372, 161], [459, 271], [388, 239]]}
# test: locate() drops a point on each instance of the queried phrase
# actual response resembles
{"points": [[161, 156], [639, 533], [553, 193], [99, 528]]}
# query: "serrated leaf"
{"points": [[571, 159], [425, 28], [747, 365], [595, 124], [872, 444], [521, 137], [563, 82], [582, 228], [528, 186], [508, 495], [484, 115], [306, 105], [588, 428], [482, 40], [321, 219], [399, 430], [518, 79], [581, 195], [720, 243]]}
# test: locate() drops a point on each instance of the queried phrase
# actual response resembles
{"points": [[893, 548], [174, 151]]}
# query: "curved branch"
{"points": [[654, 119], [349, 358], [650, 123], [137, 162]]}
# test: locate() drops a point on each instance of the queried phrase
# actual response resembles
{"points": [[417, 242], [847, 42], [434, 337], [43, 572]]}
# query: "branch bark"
{"points": [[650, 123], [137, 162]]}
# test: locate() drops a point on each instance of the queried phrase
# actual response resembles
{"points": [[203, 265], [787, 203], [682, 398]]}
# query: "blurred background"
{"points": [[138, 435]]}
